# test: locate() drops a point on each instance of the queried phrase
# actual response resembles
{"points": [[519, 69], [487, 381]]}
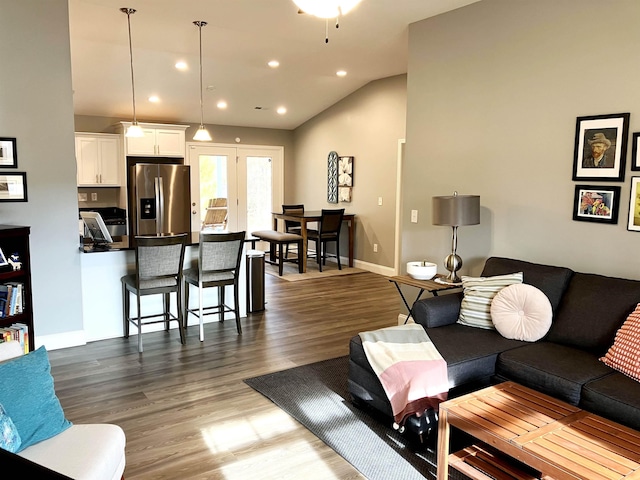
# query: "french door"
{"points": [[235, 188]]}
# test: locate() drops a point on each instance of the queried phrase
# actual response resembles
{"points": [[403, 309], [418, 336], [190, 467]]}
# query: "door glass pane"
{"points": [[259, 193], [213, 191]]}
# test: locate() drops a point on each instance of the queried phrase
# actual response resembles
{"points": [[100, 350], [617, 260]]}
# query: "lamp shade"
{"points": [[456, 210]]}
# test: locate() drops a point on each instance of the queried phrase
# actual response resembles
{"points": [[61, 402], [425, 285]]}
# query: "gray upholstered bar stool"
{"points": [[219, 256], [158, 271]]}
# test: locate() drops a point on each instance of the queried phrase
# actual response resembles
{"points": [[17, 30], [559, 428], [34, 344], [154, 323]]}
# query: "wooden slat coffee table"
{"points": [[516, 425]]}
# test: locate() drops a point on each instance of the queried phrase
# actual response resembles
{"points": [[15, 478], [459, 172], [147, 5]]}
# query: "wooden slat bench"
{"points": [[280, 239]]}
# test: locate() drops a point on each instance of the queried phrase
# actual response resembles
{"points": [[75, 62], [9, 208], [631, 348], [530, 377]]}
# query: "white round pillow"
{"points": [[521, 312]]}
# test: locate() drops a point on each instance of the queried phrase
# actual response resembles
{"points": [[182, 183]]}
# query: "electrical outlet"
{"points": [[375, 247], [379, 201], [414, 216], [82, 197], [94, 196]]}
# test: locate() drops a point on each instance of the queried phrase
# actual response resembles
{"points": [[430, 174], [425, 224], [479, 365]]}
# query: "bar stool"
{"points": [[219, 256], [158, 271]]}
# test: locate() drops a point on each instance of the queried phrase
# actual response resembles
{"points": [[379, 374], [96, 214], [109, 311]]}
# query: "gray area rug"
{"points": [[316, 395]]}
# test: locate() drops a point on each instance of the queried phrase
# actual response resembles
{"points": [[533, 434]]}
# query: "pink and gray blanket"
{"points": [[411, 371]]}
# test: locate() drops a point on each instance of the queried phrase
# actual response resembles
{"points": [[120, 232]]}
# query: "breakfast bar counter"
{"points": [[102, 301]]}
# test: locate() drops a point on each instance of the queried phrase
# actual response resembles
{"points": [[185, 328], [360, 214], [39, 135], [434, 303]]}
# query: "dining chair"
{"points": [[159, 270], [219, 256], [291, 226], [328, 231]]}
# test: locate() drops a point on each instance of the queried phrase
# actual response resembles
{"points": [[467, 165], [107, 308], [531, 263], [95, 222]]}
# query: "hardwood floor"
{"points": [[185, 410]]}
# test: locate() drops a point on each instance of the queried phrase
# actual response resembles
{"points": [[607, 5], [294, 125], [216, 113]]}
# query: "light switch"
{"points": [[414, 216], [94, 196], [82, 197], [379, 201]]}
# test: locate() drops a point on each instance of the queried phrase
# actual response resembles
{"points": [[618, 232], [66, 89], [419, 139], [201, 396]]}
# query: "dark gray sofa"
{"points": [[588, 309]]}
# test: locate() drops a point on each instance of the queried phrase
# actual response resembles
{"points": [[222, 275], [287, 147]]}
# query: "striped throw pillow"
{"points": [[624, 354], [475, 310]]}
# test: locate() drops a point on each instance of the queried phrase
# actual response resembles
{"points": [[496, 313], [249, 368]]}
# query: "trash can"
{"points": [[255, 281]]}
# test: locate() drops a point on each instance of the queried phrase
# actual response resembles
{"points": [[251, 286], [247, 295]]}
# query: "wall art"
{"points": [[332, 177], [13, 187], [634, 206], [345, 172], [596, 203], [601, 147], [8, 153]]}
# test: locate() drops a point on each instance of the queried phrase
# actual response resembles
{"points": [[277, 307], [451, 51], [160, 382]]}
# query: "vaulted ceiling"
{"points": [[241, 37]]}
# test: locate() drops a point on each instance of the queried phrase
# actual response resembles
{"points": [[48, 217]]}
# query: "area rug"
{"points": [[316, 395], [290, 271]]}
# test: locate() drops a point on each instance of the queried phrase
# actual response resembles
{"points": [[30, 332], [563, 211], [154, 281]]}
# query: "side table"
{"points": [[430, 286]]}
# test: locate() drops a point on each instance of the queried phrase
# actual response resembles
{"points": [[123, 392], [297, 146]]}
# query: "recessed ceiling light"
{"points": [[154, 99], [341, 73], [181, 65], [281, 110], [222, 104], [274, 63]]}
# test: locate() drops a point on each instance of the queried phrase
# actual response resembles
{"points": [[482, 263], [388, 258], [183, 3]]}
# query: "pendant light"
{"points": [[134, 129], [202, 135]]}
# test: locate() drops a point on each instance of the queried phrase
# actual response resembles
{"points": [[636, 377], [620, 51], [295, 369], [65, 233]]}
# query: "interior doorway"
{"points": [[235, 188]]}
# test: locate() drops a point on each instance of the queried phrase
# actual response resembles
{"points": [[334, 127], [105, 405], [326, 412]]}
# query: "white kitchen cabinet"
{"points": [[158, 141], [98, 159]]}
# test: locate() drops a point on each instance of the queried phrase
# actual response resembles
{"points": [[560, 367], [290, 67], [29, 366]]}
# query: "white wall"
{"points": [[367, 125], [494, 90], [36, 107]]}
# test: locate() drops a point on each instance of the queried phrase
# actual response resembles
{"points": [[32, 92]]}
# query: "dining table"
{"points": [[311, 216]]}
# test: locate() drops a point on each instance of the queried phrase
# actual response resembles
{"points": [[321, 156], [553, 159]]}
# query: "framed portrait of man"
{"points": [[601, 147]]}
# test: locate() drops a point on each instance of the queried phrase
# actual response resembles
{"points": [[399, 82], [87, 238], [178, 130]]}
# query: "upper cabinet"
{"points": [[159, 140], [98, 158]]}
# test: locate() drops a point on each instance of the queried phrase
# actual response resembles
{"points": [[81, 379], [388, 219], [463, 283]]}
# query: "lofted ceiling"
{"points": [[239, 40]]}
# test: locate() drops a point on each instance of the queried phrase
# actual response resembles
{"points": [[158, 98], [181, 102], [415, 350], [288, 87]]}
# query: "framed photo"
{"points": [[596, 204], [635, 161], [345, 172], [13, 187], [3, 259], [8, 153], [634, 206], [601, 147], [345, 194]]}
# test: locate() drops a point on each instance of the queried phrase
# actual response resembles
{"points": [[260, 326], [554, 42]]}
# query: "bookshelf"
{"points": [[15, 240]]}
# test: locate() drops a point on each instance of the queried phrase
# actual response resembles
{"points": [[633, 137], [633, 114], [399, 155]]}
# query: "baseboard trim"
{"points": [[374, 268], [57, 341]]}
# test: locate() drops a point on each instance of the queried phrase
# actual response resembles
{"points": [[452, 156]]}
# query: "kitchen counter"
{"points": [[102, 289], [123, 243]]}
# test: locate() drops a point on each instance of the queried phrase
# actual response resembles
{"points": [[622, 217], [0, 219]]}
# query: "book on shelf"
{"points": [[18, 332], [11, 299]]}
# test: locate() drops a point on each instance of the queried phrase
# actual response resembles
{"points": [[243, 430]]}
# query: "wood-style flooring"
{"points": [[185, 410]]}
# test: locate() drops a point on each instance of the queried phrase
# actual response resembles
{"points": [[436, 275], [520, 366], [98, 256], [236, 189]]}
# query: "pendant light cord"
{"points": [[129, 12], [201, 24]]}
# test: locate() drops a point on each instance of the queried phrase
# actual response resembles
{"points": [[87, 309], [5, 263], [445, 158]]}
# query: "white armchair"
{"points": [[81, 452]]}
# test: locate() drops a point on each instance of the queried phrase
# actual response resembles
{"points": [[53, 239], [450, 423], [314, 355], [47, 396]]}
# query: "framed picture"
{"points": [[8, 153], [634, 206], [601, 147], [345, 194], [332, 177], [635, 161], [3, 259], [13, 187], [345, 172], [596, 204]]}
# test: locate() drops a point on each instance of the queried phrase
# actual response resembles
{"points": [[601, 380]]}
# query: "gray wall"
{"points": [[367, 125], [494, 90], [36, 107]]}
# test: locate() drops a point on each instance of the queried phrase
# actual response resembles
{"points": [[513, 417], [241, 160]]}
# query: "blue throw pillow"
{"points": [[29, 398], [9, 436]]}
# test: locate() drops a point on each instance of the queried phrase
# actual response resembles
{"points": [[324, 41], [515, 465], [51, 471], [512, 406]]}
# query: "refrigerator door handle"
{"points": [[159, 205]]}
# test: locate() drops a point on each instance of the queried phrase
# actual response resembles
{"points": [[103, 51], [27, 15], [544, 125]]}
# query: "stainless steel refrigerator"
{"points": [[159, 199]]}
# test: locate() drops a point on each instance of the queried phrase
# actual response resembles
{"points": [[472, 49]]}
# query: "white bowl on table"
{"points": [[422, 270]]}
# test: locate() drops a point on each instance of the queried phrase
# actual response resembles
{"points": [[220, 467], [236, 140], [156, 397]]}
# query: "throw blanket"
{"points": [[410, 368]]}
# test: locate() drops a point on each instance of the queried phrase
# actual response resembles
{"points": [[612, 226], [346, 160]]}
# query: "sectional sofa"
{"points": [[587, 312]]}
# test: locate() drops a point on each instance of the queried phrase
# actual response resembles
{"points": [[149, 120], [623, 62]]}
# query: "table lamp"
{"points": [[454, 211]]}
